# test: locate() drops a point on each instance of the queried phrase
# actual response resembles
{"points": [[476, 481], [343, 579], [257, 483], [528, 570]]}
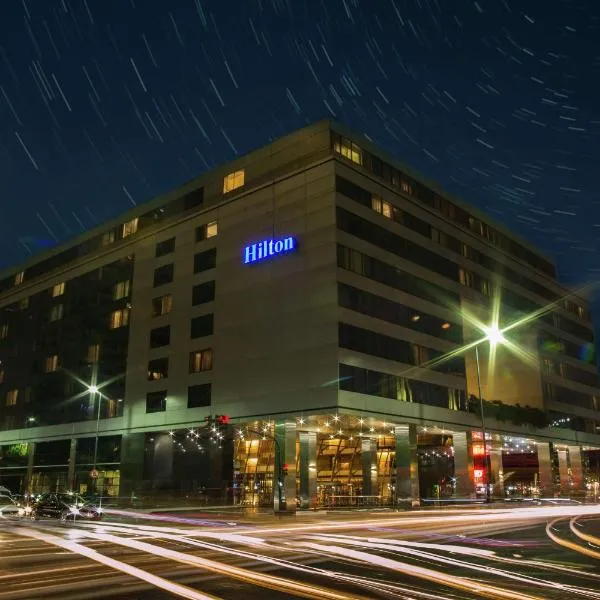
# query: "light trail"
{"points": [[261, 579], [461, 583], [590, 539], [567, 543], [159, 582]]}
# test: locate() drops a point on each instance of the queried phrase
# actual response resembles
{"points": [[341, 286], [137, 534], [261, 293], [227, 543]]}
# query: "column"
{"points": [[285, 467], [545, 475], [368, 455], [30, 463], [577, 478], [463, 464], [407, 467], [132, 464], [563, 472], [71, 468], [496, 472], [308, 468]]}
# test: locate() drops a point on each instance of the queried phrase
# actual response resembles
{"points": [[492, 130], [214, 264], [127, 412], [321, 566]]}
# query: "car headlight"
{"points": [[73, 510], [28, 510], [21, 512]]}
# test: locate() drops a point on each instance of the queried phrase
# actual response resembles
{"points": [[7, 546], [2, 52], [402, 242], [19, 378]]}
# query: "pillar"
{"points": [[308, 468], [30, 463], [563, 472], [368, 455], [132, 464], [285, 454], [71, 467], [463, 464], [545, 475], [407, 467], [496, 472], [577, 478]]}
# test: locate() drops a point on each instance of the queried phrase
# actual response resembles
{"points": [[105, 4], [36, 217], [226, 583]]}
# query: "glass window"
{"points": [[108, 238], [121, 290], [93, 353], [51, 363], [158, 369], [203, 292], [160, 336], [165, 247], [201, 360], [199, 395], [203, 261], [232, 181], [3, 331], [130, 227], [164, 275], [57, 312], [119, 318], [19, 277], [156, 401], [201, 326], [58, 289], [206, 231], [193, 199], [162, 305], [11, 397]]}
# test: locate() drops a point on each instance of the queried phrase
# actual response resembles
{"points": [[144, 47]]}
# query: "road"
{"points": [[518, 554]]}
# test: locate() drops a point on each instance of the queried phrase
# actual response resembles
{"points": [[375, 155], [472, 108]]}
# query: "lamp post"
{"points": [[93, 390], [494, 336]]}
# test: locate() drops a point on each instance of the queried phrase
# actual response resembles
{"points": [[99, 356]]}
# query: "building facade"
{"points": [[329, 303]]}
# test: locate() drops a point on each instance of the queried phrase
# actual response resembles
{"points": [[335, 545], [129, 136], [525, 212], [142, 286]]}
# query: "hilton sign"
{"points": [[266, 249]]}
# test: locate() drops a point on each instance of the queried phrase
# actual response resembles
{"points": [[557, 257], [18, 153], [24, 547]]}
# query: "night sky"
{"points": [[107, 103]]}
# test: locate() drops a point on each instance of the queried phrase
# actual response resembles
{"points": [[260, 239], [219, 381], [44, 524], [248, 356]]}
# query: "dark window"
{"points": [[156, 401], [160, 336], [202, 326], [158, 369], [203, 292], [205, 260], [165, 247], [199, 395], [193, 199], [352, 191], [163, 275]]}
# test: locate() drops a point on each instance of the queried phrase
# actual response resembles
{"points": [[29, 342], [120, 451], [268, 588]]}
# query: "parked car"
{"points": [[65, 507], [9, 508]]}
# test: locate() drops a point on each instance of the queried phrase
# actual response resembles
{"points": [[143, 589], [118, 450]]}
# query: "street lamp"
{"points": [[93, 390], [494, 336]]}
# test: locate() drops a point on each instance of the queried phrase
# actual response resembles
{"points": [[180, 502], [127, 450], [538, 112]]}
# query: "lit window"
{"points": [[108, 238], [51, 363], [57, 312], [406, 187], [130, 227], [93, 353], [11, 397], [201, 360], [58, 289], [382, 207], [466, 277], [348, 149], [211, 229], [1, 376], [119, 318], [3, 331], [205, 231], [233, 181], [121, 290], [19, 277], [162, 305], [445, 325]]}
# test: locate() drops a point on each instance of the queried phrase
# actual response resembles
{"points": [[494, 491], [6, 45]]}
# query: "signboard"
{"points": [[267, 249]]}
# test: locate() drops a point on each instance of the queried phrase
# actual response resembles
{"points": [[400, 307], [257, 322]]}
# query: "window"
{"points": [[201, 360], [162, 305], [19, 277], [382, 207], [121, 290], [206, 231], [11, 397], [156, 401], [119, 318], [108, 238], [93, 353], [199, 395], [202, 326], [348, 149], [160, 336], [57, 312], [158, 369], [193, 199], [51, 363], [165, 247], [24, 303], [203, 292], [130, 227], [58, 289], [203, 261], [164, 274], [1, 376], [233, 181], [466, 277], [3, 331]]}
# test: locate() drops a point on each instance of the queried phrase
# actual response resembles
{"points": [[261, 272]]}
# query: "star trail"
{"points": [[106, 104]]}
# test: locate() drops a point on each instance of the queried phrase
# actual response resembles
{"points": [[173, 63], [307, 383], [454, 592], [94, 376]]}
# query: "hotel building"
{"points": [[333, 305]]}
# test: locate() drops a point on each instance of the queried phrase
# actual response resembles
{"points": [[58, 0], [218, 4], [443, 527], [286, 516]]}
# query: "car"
{"points": [[65, 507], [9, 508]]}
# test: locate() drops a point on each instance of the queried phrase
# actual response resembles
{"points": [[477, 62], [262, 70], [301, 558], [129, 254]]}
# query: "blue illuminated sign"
{"points": [[268, 248]]}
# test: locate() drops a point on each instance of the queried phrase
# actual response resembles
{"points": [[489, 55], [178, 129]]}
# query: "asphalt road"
{"points": [[517, 554]]}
